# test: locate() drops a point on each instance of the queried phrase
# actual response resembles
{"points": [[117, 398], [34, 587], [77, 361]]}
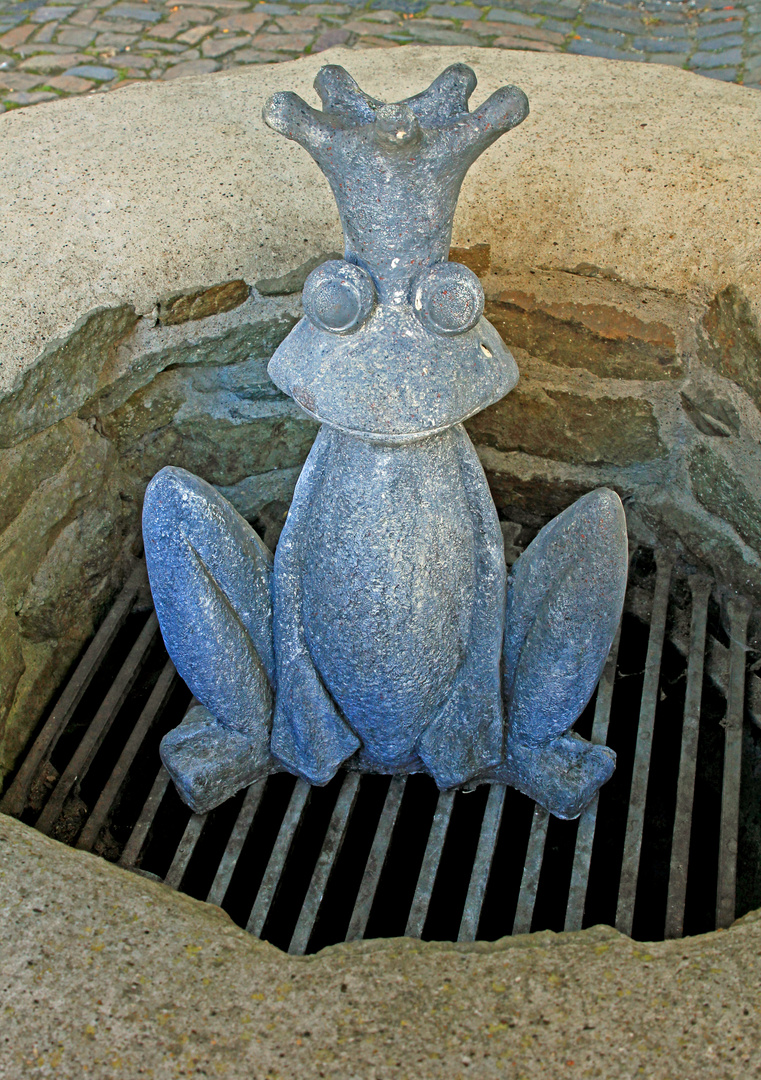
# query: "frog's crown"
{"points": [[396, 169]]}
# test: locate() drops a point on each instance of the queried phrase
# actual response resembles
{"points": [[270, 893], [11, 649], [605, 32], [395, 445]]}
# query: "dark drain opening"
{"points": [[371, 856]]}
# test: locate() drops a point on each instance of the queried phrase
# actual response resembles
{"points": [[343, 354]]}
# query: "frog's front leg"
{"points": [[564, 601], [210, 578], [309, 735]]}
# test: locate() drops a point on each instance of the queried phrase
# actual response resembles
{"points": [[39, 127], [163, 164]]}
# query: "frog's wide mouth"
{"points": [[392, 380], [384, 438]]}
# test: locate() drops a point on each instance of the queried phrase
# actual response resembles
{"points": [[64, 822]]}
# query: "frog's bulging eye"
{"points": [[338, 296], [448, 298]]}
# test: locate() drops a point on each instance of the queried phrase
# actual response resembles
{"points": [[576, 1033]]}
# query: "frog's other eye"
{"points": [[338, 296], [448, 298]]}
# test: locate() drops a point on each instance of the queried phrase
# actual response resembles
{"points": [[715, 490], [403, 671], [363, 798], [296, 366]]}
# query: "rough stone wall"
{"points": [[82, 433], [653, 394]]}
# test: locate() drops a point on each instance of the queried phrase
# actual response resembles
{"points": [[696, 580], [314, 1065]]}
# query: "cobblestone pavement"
{"points": [[91, 46]]}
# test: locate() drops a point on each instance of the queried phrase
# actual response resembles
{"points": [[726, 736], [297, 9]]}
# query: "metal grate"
{"points": [[670, 846]]}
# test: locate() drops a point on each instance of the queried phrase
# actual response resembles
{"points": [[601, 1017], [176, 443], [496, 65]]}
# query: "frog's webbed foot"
{"points": [[210, 578], [564, 601]]}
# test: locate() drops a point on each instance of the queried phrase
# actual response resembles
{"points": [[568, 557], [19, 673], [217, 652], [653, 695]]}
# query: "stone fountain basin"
{"points": [[617, 236]]}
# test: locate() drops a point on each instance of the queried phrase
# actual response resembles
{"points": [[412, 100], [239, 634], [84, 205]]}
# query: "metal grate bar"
{"points": [[329, 853], [487, 842], [585, 833], [185, 849], [100, 725], [685, 790], [376, 860], [739, 612], [627, 888], [430, 866], [277, 859], [532, 868], [156, 702], [235, 844], [15, 798], [134, 845]]}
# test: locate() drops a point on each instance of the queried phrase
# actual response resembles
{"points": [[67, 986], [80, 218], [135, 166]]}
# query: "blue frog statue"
{"points": [[386, 635]]}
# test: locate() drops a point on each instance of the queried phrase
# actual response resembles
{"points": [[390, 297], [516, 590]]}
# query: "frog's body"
{"points": [[378, 636], [402, 601]]}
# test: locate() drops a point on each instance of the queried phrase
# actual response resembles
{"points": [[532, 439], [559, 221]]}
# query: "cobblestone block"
{"points": [[83, 17], [191, 67], [70, 84], [75, 36], [46, 34], [184, 57], [717, 29], [724, 74], [249, 22], [220, 46], [137, 64], [168, 30], [720, 59], [602, 37], [23, 98], [282, 42], [52, 61], [613, 22], [255, 56], [450, 11], [564, 28], [14, 37], [92, 71], [520, 18], [335, 36], [118, 26], [114, 41], [726, 41], [591, 48], [510, 42], [302, 23], [195, 34], [659, 45], [14, 80], [51, 14], [133, 11], [164, 47], [432, 35]]}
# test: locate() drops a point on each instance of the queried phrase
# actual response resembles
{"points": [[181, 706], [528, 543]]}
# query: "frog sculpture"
{"points": [[385, 635]]}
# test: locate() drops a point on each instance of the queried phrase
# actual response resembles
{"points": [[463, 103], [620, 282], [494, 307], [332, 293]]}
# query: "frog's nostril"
{"points": [[486, 350]]}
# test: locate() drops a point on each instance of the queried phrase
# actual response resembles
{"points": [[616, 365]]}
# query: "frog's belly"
{"points": [[388, 586]]}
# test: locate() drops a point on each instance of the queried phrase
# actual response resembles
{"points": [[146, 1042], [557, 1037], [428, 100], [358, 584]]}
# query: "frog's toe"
{"points": [[562, 776], [210, 763]]}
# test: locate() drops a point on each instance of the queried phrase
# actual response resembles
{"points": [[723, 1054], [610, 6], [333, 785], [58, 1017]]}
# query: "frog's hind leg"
{"points": [[210, 579], [564, 601]]}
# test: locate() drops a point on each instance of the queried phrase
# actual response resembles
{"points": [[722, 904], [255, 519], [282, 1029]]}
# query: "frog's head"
{"points": [[394, 344]]}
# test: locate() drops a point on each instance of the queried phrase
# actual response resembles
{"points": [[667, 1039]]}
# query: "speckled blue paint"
{"points": [[378, 637]]}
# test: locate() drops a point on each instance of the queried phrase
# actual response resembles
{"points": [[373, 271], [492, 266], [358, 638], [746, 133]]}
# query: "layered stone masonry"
{"points": [[56, 50]]}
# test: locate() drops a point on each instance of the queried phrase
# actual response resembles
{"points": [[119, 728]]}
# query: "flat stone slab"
{"points": [[648, 171], [105, 974]]}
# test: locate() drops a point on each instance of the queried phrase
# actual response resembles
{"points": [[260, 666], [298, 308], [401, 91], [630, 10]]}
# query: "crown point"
{"points": [[396, 125]]}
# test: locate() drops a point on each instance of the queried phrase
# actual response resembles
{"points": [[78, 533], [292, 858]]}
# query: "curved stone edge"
{"points": [[108, 972], [636, 164]]}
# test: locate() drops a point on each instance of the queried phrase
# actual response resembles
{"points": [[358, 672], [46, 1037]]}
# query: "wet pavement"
{"points": [[49, 51]]}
